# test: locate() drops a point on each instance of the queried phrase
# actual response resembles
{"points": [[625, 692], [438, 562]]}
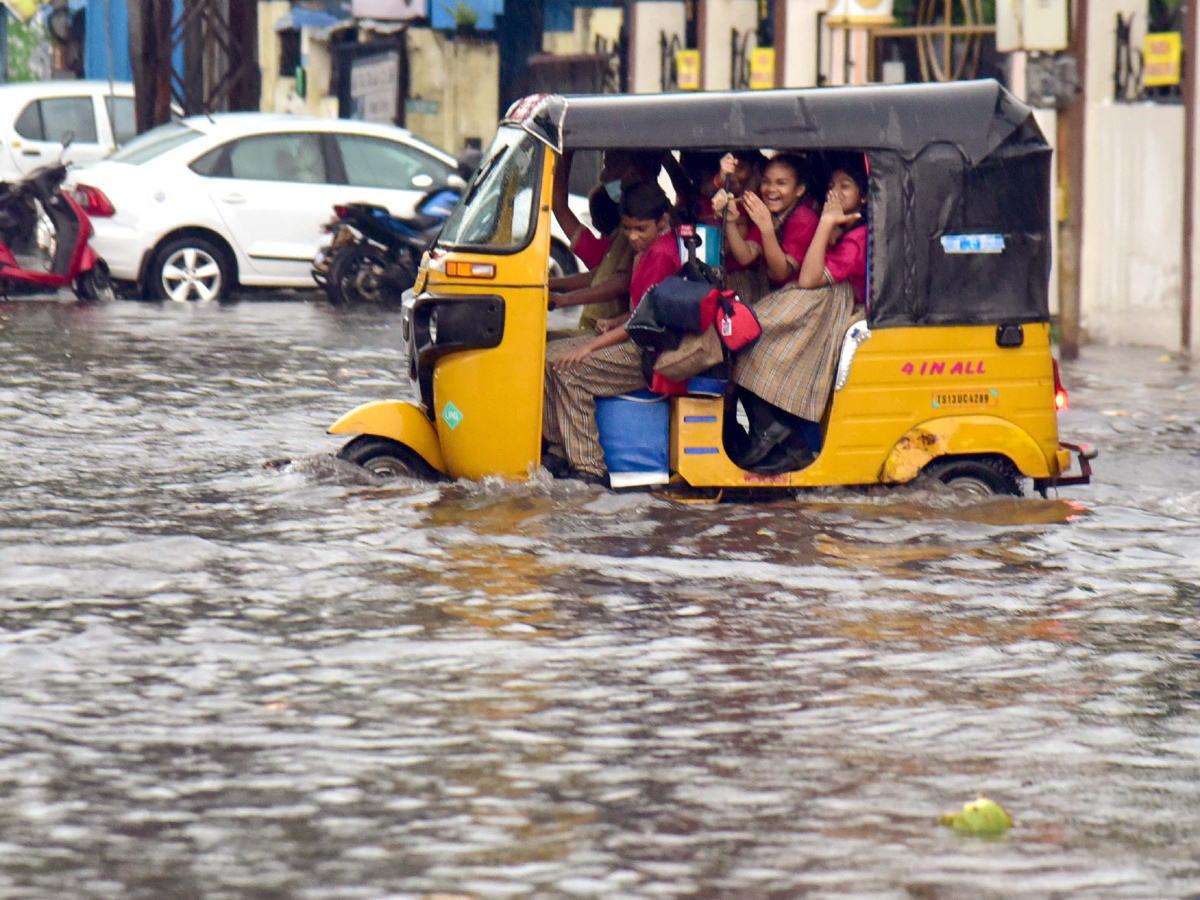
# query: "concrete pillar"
{"points": [[650, 20], [720, 18], [796, 41], [1191, 156], [1097, 78], [269, 12]]}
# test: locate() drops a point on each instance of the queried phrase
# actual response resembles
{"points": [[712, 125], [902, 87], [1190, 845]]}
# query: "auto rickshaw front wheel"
{"points": [[976, 477], [386, 458]]}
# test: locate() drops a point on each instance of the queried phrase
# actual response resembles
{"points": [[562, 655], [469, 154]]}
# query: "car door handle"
{"points": [[233, 198], [31, 152]]}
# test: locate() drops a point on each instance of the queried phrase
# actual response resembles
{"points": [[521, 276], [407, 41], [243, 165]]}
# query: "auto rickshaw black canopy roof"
{"points": [[959, 195], [976, 116]]}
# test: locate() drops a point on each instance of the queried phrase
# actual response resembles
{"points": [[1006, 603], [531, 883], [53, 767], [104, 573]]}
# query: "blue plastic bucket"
{"points": [[635, 434]]}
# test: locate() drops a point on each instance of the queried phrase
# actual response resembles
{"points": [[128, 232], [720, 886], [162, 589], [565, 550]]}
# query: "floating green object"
{"points": [[982, 816]]}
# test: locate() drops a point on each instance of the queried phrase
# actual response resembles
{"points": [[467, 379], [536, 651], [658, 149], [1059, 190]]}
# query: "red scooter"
{"points": [[44, 237]]}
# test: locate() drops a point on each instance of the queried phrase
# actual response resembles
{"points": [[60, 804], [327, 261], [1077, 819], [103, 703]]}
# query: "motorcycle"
{"points": [[373, 256], [44, 237]]}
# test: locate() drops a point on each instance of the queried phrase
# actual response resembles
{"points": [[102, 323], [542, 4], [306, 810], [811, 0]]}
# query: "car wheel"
{"points": [[386, 458], [356, 275], [190, 268], [976, 477], [562, 261]]}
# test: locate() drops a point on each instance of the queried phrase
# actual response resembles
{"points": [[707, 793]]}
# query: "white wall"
{"points": [[589, 24], [1130, 264], [798, 43], [1133, 225], [651, 18], [720, 19]]}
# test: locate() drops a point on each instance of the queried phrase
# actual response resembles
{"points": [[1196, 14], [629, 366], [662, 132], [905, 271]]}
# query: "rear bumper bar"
{"points": [[1083, 456]]}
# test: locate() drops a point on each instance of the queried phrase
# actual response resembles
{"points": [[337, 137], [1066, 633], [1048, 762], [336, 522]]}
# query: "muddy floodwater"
{"points": [[231, 681]]}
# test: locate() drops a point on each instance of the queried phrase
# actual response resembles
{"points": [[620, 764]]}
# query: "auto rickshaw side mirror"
{"points": [[1010, 335]]}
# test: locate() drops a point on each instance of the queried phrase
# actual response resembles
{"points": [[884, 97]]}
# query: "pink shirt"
{"points": [[794, 238], [660, 260], [589, 248], [847, 261]]}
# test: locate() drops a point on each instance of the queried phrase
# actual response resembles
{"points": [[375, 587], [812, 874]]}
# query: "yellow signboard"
{"points": [[1162, 54], [22, 9], [859, 13], [687, 68], [762, 68]]}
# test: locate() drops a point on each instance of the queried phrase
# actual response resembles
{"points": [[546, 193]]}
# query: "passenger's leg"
{"points": [[606, 373], [551, 402], [770, 427]]}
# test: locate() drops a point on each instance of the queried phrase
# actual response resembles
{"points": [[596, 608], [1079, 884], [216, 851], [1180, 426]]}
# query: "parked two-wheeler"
{"points": [[44, 237], [373, 256]]}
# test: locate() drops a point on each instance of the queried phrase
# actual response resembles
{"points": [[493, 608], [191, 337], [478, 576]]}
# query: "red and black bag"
{"points": [[737, 324]]}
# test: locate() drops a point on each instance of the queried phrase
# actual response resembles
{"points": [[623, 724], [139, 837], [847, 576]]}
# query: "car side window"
{"points": [[121, 114], [29, 123], [213, 164], [272, 157], [50, 120], [381, 163]]}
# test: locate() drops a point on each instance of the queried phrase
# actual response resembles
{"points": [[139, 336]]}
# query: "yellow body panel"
{"points": [[398, 420], [495, 395], [913, 393]]}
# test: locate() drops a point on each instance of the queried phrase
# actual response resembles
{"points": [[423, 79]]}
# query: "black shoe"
{"points": [[589, 478], [556, 465], [762, 443], [785, 459]]}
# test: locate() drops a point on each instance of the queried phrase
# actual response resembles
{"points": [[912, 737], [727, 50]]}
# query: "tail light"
{"points": [[1061, 400], [93, 201], [340, 211]]}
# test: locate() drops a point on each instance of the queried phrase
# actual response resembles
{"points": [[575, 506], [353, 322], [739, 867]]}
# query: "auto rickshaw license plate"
{"points": [[964, 399]]}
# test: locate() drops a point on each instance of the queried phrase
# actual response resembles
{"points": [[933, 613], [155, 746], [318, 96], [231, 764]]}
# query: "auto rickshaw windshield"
{"points": [[498, 210]]}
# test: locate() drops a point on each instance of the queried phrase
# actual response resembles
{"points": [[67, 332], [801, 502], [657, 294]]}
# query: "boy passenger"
{"points": [[603, 291], [580, 369]]}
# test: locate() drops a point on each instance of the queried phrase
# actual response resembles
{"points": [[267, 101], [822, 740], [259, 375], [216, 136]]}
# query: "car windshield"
{"points": [[499, 209], [154, 143]]}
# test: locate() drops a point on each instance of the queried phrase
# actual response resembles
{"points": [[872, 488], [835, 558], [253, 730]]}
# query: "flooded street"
{"points": [[220, 679]]}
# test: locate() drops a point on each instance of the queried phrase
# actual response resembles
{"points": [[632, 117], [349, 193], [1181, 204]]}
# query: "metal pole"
{"points": [[3, 45], [108, 54], [1071, 155], [1190, 21]]}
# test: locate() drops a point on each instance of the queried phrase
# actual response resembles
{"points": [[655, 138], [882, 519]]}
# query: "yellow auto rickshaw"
{"points": [[950, 374]]}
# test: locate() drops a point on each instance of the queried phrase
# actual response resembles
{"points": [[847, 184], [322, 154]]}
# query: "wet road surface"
{"points": [[224, 680]]}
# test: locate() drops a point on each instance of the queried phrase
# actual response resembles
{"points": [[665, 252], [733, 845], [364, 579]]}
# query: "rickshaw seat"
{"points": [[699, 386]]}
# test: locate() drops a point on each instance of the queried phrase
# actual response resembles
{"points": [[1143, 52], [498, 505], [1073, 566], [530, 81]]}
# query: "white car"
{"points": [[35, 116], [194, 208]]}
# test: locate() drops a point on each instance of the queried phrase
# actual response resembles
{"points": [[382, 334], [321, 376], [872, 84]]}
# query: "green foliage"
{"points": [[905, 11], [23, 40], [464, 14]]}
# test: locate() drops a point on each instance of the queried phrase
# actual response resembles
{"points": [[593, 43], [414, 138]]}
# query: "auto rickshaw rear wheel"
{"points": [[976, 477], [386, 458]]}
